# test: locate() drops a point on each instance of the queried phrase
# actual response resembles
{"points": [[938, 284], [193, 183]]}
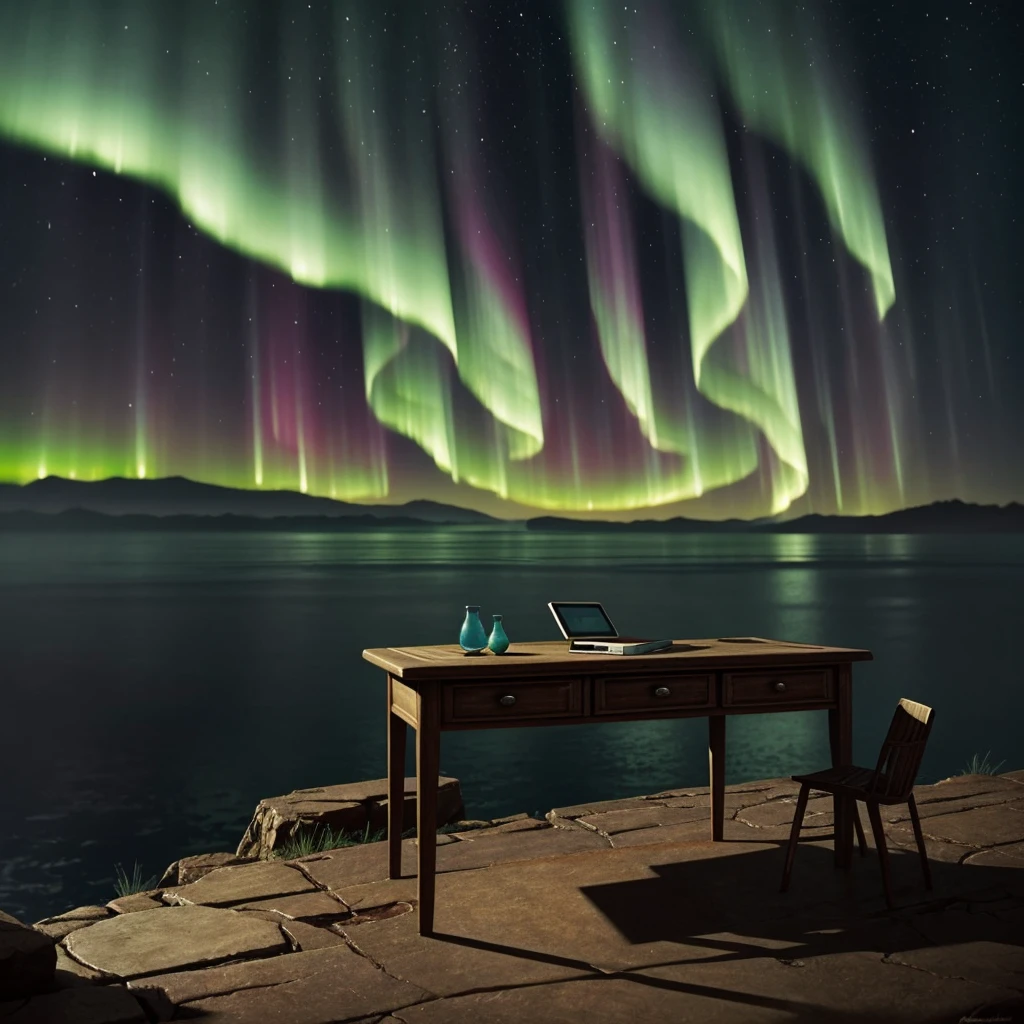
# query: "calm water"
{"points": [[154, 687]]}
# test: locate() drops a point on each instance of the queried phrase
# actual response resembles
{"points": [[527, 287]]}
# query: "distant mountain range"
{"points": [[178, 496], [176, 503], [939, 517]]}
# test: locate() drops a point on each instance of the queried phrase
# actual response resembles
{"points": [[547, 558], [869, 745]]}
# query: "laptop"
{"points": [[585, 624]]}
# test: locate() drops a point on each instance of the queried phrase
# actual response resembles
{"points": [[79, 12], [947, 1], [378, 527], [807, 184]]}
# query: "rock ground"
{"points": [[606, 912]]}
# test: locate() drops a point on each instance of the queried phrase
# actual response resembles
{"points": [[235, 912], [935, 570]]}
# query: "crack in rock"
{"points": [[289, 938], [384, 912], [891, 958], [380, 967], [319, 886]]}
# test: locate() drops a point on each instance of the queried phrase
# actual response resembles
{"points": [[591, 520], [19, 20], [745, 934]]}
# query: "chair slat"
{"points": [[903, 749]]}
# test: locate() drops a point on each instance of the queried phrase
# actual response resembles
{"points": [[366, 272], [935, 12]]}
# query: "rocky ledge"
{"points": [[604, 911]]}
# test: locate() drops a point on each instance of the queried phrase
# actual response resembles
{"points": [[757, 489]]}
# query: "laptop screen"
{"points": [[582, 618]]}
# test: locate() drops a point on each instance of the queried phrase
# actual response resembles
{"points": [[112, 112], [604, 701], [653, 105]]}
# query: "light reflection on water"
{"points": [[157, 686]]}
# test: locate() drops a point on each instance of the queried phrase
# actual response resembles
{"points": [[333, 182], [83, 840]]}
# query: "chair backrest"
{"points": [[900, 759]]}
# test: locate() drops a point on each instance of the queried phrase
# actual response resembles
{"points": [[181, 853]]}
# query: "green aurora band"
{"points": [[367, 218]]}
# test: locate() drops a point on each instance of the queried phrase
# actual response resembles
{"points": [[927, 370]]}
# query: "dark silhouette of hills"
{"points": [[939, 517], [677, 525], [80, 520], [178, 496], [176, 503]]}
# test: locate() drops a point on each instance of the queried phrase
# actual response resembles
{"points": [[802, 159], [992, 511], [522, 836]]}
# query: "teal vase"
{"points": [[473, 639], [498, 642]]}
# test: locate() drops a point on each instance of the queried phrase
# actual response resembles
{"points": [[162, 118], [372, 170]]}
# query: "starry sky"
{"points": [[608, 260]]}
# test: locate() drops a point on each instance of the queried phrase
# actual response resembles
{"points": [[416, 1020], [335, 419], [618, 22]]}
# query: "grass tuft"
{"points": [[128, 885], [323, 837], [982, 766]]}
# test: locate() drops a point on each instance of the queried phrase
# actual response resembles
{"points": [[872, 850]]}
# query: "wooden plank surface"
{"points": [[552, 657]]}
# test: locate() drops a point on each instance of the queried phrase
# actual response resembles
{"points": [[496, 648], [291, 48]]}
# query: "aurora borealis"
{"points": [[707, 259]]}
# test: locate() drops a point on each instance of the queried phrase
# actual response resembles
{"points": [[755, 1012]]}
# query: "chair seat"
{"points": [[848, 780]]}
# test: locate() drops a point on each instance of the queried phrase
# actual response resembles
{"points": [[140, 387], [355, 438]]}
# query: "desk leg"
{"points": [[428, 767], [716, 766], [397, 732], [840, 735]]}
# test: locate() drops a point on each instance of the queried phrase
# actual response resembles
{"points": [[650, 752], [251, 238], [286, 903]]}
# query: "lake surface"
{"points": [[153, 687]]}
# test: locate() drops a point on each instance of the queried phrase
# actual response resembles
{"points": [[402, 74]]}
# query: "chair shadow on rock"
{"points": [[712, 908], [891, 782]]}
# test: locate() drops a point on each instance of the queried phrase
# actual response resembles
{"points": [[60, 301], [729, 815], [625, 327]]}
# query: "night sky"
{"points": [[644, 260]]}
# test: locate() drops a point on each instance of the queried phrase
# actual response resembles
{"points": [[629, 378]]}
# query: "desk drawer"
{"points": [[616, 695], [481, 702], [786, 687]]}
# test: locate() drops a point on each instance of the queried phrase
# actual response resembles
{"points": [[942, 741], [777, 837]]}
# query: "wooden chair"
{"points": [[892, 782]]}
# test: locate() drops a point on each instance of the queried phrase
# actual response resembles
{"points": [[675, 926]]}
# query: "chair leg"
{"points": [[912, 804], [794, 835], [859, 826], [883, 851]]}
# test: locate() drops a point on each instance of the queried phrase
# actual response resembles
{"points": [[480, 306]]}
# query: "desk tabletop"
{"points": [[552, 658]]}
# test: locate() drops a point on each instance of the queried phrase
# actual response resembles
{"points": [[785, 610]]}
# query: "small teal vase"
{"points": [[498, 642], [473, 639]]}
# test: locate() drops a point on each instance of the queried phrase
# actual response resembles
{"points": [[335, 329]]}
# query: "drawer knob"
{"points": [[507, 700], [779, 686], [662, 691]]}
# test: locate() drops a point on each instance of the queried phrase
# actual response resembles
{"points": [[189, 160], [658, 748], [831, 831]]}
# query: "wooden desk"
{"points": [[434, 689]]}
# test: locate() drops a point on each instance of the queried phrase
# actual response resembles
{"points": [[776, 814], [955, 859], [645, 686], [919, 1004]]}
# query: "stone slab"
{"points": [[698, 830], [190, 869], [63, 924], [968, 945], [1014, 851], [731, 801], [966, 786], [468, 824], [136, 901], [625, 819], [93, 1004], [317, 987], [365, 898], [305, 905], [442, 839], [172, 939], [979, 827], [70, 972], [557, 821], [939, 852], [27, 958], [367, 862], [602, 807], [244, 883], [474, 851], [782, 811], [354, 865], [449, 807], [758, 786], [523, 824], [351, 807], [748, 991], [932, 808], [305, 937]]}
